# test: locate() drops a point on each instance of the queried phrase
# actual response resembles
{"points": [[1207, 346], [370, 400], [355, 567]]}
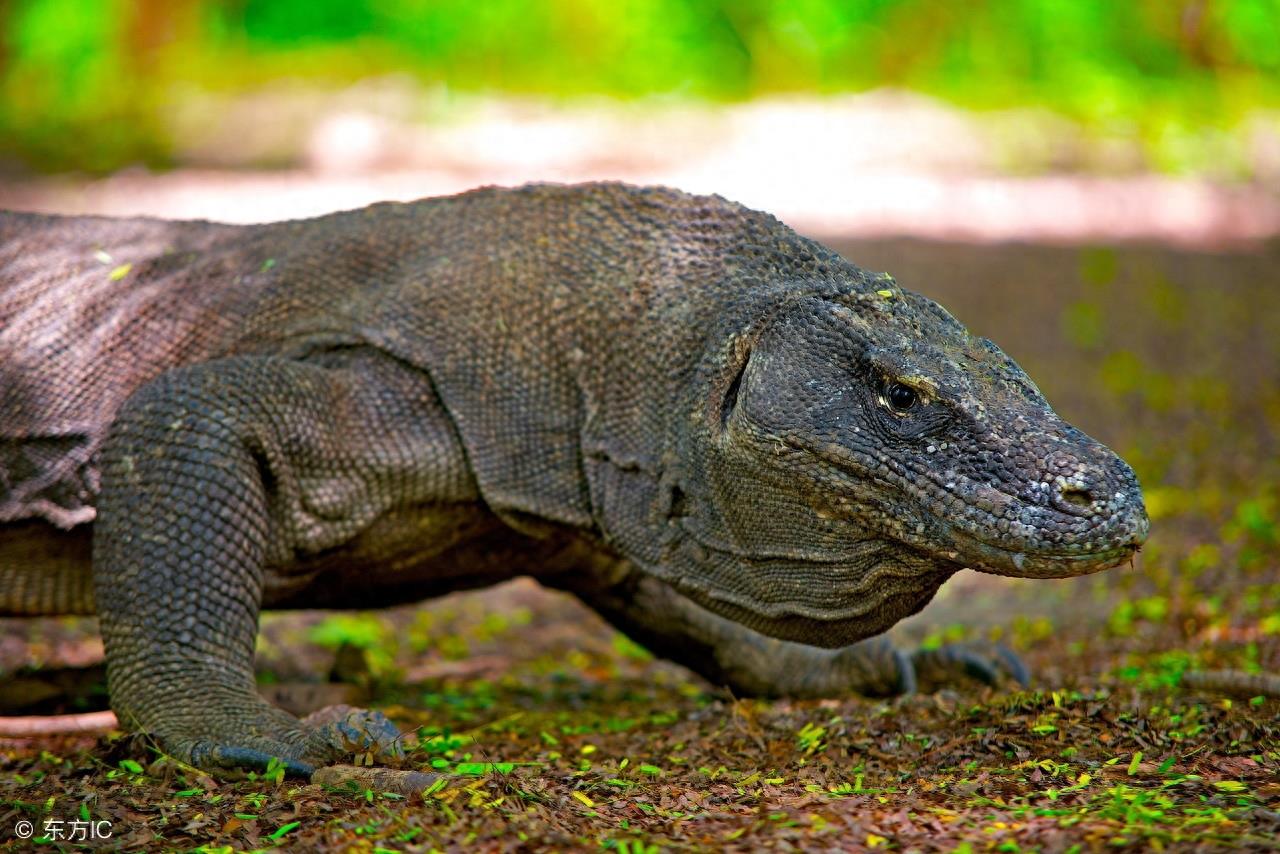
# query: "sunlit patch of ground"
{"points": [[550, 730], [878, 164]]}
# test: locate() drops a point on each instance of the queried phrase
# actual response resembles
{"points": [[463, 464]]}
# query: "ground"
{"points": [[547, 730]]}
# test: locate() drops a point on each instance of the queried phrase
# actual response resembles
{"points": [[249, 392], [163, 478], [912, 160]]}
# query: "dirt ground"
{"points": [[548, 730]]}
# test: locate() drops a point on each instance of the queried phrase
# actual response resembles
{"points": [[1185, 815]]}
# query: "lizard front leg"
{"points": [[749, 663], [194, 471]]}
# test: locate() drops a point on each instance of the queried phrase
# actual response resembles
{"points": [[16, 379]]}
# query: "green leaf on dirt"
{"points": [[283, 829], [480, 768]]}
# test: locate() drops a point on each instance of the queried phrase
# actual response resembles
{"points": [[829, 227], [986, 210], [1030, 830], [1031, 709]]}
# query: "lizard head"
{"points": [[860, 446]]}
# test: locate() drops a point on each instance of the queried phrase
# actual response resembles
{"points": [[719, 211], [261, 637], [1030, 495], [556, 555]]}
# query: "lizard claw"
{"points": [[987, 663], [341, 731], [205, 754]]}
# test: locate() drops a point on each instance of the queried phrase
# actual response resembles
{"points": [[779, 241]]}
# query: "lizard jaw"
{"points": [[1112, 543], [995, 560]]}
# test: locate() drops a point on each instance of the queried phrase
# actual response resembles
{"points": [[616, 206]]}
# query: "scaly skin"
{"points": [[743, 450]]}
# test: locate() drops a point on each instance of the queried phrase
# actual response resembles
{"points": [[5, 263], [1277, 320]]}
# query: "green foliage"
{"points": [[809, 738], [1160, 672], [114, 67], [628, 648], [274, 772], [63, 69], [1151, 609], [952, 633], [361, 630]]}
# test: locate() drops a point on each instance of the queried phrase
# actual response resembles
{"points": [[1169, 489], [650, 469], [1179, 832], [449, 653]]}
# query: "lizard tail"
{"points": [[1237, 682], [45, 571]]}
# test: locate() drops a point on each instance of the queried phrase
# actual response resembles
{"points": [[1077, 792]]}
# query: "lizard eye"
{"points": [[900, 397]]}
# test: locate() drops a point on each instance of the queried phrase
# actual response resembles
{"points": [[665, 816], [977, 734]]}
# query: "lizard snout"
{"points": [[1099, 490], [1085, 488]]}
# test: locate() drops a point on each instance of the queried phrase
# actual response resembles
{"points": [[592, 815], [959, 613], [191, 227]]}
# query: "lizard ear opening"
{"points": [[730, 401]]}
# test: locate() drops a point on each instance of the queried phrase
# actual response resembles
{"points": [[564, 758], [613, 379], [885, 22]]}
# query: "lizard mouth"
{"points": [[1002, 533], [1000, 560], [1108, 545], [1050, 543]]}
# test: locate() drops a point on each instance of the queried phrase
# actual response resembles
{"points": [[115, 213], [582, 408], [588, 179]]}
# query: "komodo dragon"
{"points": [[744, 451]]}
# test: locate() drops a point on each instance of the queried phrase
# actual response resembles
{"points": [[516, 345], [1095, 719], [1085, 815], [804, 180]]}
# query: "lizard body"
{"points": [[743, 450]]}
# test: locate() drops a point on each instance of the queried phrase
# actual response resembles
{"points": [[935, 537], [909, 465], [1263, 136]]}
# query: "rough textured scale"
{"points": [[743, 450]]}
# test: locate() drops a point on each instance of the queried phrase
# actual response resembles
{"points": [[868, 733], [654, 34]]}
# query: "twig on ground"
{"points": [[34, 725]]}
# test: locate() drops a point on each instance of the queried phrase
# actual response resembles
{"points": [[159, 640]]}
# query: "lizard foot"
{"points": [[344, 730], [988, 663], [333, 734]]}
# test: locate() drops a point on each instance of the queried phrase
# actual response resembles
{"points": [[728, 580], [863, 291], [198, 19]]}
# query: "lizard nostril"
{"points": [[1076, 496]]}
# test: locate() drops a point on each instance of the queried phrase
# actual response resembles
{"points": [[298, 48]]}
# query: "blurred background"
{"points": [[987, 119]]}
